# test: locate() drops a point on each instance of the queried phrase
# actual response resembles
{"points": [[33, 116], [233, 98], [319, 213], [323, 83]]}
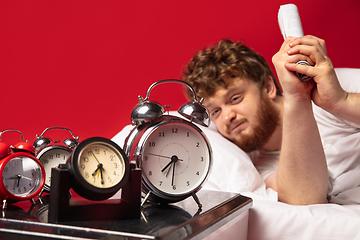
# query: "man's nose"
{"points": [[228, 115]]}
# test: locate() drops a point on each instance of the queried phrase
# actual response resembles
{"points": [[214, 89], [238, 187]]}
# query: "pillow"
{"points": [[349, 78], [232, 170]]}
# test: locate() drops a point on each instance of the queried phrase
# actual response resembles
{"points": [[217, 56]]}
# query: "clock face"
{"points": [[22, 176], [51, 157], [176, 159], [101, 165]]}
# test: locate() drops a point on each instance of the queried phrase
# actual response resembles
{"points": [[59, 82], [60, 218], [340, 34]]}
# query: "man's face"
{"points": [[243, 114]]}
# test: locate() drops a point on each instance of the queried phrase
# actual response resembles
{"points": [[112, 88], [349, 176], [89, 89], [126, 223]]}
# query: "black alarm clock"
{"points": [[98, 168]]}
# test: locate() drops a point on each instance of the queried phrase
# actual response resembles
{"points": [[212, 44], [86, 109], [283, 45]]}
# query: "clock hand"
{"points": [[101, 173], [95, 157], [100, 169], [174, 158], [26, 178], [15, 177], [172, 179], [167, 165], [94, 173], [158, 155], [167, 173], [18, 177], [162, 156]]}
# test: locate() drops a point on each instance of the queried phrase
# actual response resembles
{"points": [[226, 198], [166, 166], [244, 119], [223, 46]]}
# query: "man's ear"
{"points": [[270, 88]]}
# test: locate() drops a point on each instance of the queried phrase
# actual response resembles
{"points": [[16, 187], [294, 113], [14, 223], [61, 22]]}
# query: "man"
{"points": [[247, 107]]}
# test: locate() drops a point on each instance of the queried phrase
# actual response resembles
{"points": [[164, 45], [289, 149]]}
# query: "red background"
{"points": [[81, 64]]}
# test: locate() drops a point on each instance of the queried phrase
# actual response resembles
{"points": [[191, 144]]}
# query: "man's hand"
{"points": [[293, 87], [327, 93]]}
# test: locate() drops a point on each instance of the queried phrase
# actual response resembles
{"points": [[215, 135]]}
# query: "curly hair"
{"points": [[207, 69]]}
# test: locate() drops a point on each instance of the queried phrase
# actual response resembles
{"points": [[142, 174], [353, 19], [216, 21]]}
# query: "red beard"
{"points": [[269, 118]]}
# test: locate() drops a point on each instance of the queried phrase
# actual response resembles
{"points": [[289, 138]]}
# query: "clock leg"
{"points": [[197, 201], [41, 192], [4, 204], [145, 198]]}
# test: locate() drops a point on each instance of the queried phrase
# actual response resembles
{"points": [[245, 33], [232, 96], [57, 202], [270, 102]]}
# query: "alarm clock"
{"points": [[22, 174], [98, 168], [174, 154], [52, 153]]}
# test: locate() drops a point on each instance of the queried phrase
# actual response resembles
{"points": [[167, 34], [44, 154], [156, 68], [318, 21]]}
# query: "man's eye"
{"points": [[215, 112], [236, 99]]}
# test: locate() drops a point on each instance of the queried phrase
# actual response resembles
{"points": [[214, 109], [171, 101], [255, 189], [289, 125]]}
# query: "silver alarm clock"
{"points": [[174, 154], [52, 153]]}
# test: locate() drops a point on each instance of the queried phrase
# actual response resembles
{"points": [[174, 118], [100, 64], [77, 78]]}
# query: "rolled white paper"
{"points": [[289, 21]]}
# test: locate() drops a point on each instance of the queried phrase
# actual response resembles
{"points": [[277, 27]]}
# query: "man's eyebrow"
{"points": [[229, 93], [232, 91], [208, 106]]}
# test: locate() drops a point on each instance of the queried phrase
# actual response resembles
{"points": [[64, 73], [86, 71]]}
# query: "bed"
{"points": [[233, 171]]}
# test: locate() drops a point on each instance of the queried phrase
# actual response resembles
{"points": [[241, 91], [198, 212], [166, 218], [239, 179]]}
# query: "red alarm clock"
{"points": [[22, 174]]}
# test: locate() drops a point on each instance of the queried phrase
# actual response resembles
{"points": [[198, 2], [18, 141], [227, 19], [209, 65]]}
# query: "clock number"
{"points": [[116, 165], [87, 175], [198, 173], [82, 166], [202, 159], [6, 169], [57, 155], [146, 158], [150, 173], [51, 156], [97, 151], [188, 183], [174, 187], [174, 130], [160, 183], [86, 159], [111, 157], [188, 134], [197, 144], [161, 134], [151, 144], [46, 161]]}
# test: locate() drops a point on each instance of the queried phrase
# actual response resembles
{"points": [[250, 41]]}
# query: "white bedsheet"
{"points": [[269, 220]]}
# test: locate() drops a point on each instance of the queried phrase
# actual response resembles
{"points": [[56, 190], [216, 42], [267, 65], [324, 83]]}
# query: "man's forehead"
{"points": [[221, 92]]}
